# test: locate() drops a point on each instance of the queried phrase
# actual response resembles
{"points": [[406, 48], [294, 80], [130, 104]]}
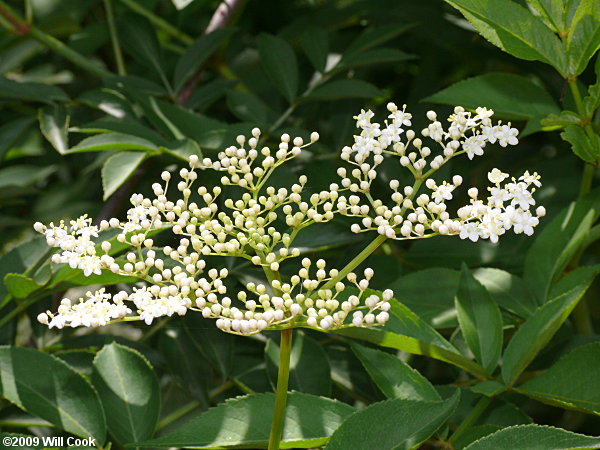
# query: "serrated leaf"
{"points": [[394, 377], [19, 285], [335, 90], [393, 424], [534, 437], [37, 92], [61, 396], [246, 422], [184, 149], [54, 123], [411, 345], [479, 319], [129, 390], [552, 11], [554, 247], [279, 63], [138, 38], [537, 331], [571, 382], [195, 55], [591, 102], [515, 30], [117, 169], [113, 141], [562, 120], [583, 145], [510, 96], [315, 44], [309, 366], [509, 291], [583, 40], [110, 102]]}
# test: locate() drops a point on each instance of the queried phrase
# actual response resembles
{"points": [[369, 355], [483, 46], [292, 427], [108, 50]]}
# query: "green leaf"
{"points": [[515, 30], [246, 422], [309, 366], [139, 39], [247, 106], [375, 56], [537, 331], [117, 169], [109, 101], [20, 286], [113, 141], [393, 424], [54, 123], [339, 89], [190, 62], [570, 383], [556, 245], [411, 345], [315, 44], [11, 131], [584, 146], [479, 319], [406, 322], [394, 377], [37, 92], [373, 37], [279, 63], [437, 307], [59, 395], [583, 40], [562, 120], [534, 437], [21, 259], [23, 175], [510, 96], [129, 391], [552, 11], [509, 291], [184, 149]]}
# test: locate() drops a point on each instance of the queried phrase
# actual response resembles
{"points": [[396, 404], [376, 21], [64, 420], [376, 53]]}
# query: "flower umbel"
{"points": [[261, 224]]}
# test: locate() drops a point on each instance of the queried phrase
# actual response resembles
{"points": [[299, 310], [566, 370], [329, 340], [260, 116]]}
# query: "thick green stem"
{"points": [[479, 408], [158, 21], [285, 349], [114, 37]]}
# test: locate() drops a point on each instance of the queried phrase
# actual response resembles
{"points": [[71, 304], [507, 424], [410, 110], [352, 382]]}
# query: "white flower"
{"points": [[524, 222], [531, 178], [474, 146], [497, 176], [443, 192], [469, 230], [490, 134], [363, 120], [498, 196], [520, 195], [507, 136]]}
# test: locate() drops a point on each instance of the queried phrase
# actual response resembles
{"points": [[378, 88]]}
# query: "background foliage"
{"points": [[97, 98]]}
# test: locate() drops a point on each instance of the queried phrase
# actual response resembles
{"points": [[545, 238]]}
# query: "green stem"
{"points": [[285, 348], [479, 408], [177, 414], [159, 21], [15, 24], [581, 313], [114, 37]]}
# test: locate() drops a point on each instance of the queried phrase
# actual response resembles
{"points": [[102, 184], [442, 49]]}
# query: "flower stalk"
{"points": [[283, 375]]}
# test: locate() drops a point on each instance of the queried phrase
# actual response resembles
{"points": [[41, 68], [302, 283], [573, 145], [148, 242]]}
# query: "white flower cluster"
{"points": [[261, 224], [507, 207], [408, 215]]}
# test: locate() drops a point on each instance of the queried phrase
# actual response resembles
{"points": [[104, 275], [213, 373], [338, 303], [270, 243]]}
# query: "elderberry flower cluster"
{"points": [[407, 215], [261, 224]]}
